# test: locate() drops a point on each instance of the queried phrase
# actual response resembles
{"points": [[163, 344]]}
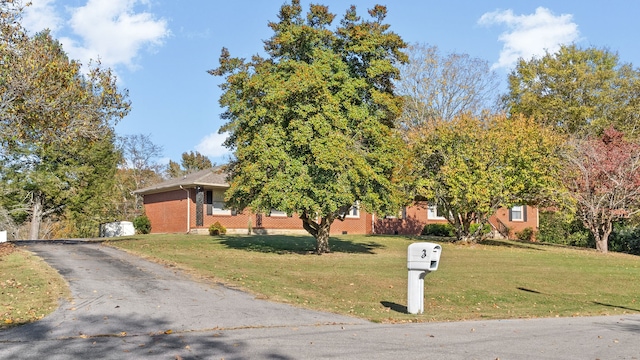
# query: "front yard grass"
{"points": [[29, 288], [366, 276]]}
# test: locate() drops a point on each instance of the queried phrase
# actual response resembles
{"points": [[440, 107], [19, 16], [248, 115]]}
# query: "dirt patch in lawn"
{"points": [[6, 249]]}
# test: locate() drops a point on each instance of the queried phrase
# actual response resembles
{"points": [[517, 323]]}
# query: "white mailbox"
{"points": [[422, 258]]}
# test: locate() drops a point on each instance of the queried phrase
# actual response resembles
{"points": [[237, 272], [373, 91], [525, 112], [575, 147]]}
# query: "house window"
{"points": [[518, 213], [277, 213], [215, 203], [435, 213], [354, 212]]}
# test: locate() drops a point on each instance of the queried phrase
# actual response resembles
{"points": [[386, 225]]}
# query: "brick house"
{"points": [[195, 201], [191, 203], [410, 221]]}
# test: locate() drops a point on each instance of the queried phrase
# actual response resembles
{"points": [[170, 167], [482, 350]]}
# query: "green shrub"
{"points": [[554, 228], [142, 224], [525, 235], [217, 229], [438, 230], [625, 238], [562, 228], [486, 229], [581, 239]]}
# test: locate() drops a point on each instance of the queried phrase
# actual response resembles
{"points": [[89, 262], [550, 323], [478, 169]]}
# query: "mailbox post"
{"points": [[422, 258]]}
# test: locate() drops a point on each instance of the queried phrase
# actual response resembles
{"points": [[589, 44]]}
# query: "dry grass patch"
{"points": [[29, 288]]}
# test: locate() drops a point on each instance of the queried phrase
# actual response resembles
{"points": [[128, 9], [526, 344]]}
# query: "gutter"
{"points": [[188, 209]]}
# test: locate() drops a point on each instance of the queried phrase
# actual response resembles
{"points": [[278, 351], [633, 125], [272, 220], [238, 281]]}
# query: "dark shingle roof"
{"points": [[214, 177]]}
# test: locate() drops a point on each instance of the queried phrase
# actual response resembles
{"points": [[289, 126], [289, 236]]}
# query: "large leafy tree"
{"points": [[472, 165], [603, 177], [440, 87], [56, 124], [577, 91], [311, 124]]}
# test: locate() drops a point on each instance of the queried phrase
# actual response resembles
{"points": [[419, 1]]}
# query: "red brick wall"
{"points": [[414, 220], [168, 214], [417, 218], [361, 225], [167, 211], [517, 226]]}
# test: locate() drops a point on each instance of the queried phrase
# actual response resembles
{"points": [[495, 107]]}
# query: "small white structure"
{"points": [[3, 236], [117, 228], [422, 258]]}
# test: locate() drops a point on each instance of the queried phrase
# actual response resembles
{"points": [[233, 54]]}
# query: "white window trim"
{"points": [[520, 210], [277, 213], [350, 214], [219, 211], [432, 213]]}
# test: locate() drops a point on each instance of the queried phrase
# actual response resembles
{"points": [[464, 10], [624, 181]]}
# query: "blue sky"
{"points": [[161, 49]]}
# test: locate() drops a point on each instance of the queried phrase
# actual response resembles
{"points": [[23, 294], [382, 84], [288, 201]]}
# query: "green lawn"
{"points": [[366, 276]]}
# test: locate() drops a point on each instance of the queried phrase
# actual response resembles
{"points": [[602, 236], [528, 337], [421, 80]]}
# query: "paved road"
{"points": [[127, 308]]}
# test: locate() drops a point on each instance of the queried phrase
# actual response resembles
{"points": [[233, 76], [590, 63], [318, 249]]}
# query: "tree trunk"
{"points": [[602, 244], [602, 240], [36, 216], [320, 231], [601, 232], [322, 239]]}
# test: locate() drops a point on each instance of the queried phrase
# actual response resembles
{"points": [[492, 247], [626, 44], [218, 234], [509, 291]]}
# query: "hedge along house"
{"points": [[193, 202]]}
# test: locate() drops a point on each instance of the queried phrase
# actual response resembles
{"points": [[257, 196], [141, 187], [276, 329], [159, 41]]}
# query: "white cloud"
{"points": [[40, 15], [530, 35], [112, 31], [211, 146]]}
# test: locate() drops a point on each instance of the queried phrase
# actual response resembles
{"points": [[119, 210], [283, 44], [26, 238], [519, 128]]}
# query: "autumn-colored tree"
{"points": [[439, 87], [577, 91], [604, 180], [471, 166], [173, 170], [50, 107], [191, 162], [310, 126]]}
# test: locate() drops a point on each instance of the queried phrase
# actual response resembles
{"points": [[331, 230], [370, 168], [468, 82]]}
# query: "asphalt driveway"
{"points": [[124, 307]]}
